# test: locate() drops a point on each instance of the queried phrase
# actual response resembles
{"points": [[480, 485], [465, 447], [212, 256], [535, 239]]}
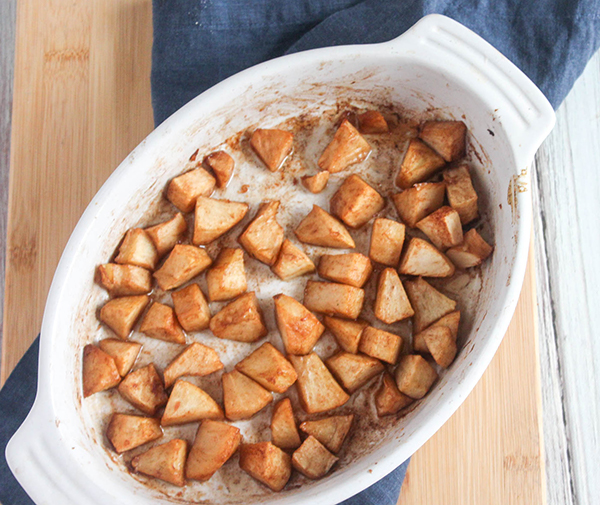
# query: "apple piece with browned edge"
{"points": [[226, 279], [99, 371], [222, 166], [184, 190], [388, 398], [387, 239], [182, 265], [447, 138], [330, 431], [353, 370], [267, 366], [321, 228], [213, 218], [346, 148], [391, 303], [124, 353], [423, 258], [415, 203], [317, 389], [371, 122], [127, 432], [272, 146], [240, 320], [189, 403], [414, 376], [283, 426], [441, 345], [191, 308], [428, 303], [316, 183], [419, 164], [347, 333], [442, 227], [121, 314], [334, 299], [292, 262], [195, 360], [124, 280], [267, 463], [312, 459], [355, 202], [137, 249], [263, 237], [144, 389], [461, 194], [299, 328], [450, 320], [349, 268], [380, 344], [472, 252], [214, 444], [242, 396], [166, 235], [160, 322], [165, 462]]}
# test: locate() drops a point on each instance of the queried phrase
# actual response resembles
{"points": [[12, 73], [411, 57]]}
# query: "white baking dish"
{"points": [[438, 64]]}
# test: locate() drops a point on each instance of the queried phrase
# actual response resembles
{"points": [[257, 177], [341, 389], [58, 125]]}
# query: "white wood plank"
{"points": [[568, 241]]}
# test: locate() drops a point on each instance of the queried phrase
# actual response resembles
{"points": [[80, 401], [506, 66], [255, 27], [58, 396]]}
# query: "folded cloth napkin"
{"points": [[199, 43]]}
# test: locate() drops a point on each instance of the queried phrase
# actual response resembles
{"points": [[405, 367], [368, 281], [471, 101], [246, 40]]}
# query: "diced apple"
{"points": [[330, 431], [312, 459], [144, 389], [355, 202], [166, 235], [442, 227], [160, 322], [184, 190], [419, 201], [267, 463], [451, 321], [428, 303], [242, 396], [472, 252], [298, 327], [214, 444], [283, 426], [350, 268], [292, 262], [419, 164], [423, 258], [127, 432], [240, 320], [414, 376], [121, 314], [380, 344], [189, 403], [191, 308], [183, 264], [353, 370], [272, 146], [99, 371], [124, 353], [195, 360], [165, 462], [226, 279], [267, 366], [334, 299], [316, 183], [346, 148], [213, 218], [388, 398], [372, 122], [124, 280], [448, 138], [263, 237], [137, 249], [317, 389], [441, 344], [387, 239], [321, 228], [347, 333], [222, 166], [391, 303], [461, 194]]}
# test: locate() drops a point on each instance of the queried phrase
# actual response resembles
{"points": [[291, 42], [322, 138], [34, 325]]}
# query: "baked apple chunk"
{"points": [[428, 303], [222, 166], [292, 262], [165, 462], [451, 321], [127, 432], [448, 138], [263, 237], [472, 252], [186, 188], [347, 333], [166, 235], [242, 396], [160, 322], [191, 308], [414, 376], [226, 279], [213, 218], [443, 228], [423, 258], [267, 366], [419, 201], [312, 459], [124, 353], [121, 314], [346, 148], [330, 431], [144, 389], [388, 398], [387, 239], [380, 344], [182, 265], [272, 146], [334, 299], [137, 249], [316, 183], [440, 344], [298, 327], [189, 403], [124, 280], [196, 360], [283, 426], [240, 320], [419, 164], [267, 463], [461, 194], [372, 121], [321, 228], [350, 268], [99, 371], [391, 304], [355, 202], [353, 370]]}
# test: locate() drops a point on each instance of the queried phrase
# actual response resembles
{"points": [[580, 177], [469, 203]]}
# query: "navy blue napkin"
{"points": [[199, 43]]}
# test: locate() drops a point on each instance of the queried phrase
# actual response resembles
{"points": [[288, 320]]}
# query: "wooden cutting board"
{"points": [[81, 103]]}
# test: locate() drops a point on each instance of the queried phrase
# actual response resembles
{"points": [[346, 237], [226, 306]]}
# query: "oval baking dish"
{"points": [[437, 67]]}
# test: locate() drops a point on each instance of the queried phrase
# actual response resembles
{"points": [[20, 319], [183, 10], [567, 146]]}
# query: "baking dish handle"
{"points": [[519, 105]]}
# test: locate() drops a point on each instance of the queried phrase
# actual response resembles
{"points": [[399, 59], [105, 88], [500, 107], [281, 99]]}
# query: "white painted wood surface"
{"points": [[567, 231]]}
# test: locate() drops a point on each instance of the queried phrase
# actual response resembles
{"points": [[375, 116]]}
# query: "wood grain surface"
{"points": [[81, 103]]}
